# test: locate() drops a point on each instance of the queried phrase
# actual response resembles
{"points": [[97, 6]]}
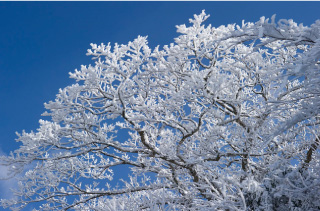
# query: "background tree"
{"points": [[223, 119]]}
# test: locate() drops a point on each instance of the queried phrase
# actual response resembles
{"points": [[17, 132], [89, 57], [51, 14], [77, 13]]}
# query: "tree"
{"points": [[225, 118]]}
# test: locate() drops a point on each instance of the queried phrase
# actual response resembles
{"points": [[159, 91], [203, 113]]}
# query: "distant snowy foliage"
{"points": [[225, 118]]}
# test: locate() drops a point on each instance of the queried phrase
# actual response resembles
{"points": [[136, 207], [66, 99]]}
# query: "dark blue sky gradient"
{"points": [[40, 42]]}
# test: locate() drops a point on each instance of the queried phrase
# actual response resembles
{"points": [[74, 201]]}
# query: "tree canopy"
{"points": [[224, 118]]}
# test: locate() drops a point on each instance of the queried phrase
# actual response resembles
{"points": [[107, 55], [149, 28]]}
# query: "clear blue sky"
{"points": [[40, 42]]}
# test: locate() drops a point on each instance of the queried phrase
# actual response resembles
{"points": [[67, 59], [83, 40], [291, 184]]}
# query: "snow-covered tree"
{"points": [[225, 118]]}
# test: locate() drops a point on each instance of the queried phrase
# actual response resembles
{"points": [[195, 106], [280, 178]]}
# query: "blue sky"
{"points": [[40, 42]]}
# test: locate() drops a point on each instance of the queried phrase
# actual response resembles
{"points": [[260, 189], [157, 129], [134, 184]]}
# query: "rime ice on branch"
{"points": [[225, 118]]}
